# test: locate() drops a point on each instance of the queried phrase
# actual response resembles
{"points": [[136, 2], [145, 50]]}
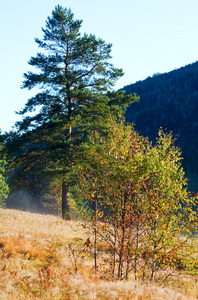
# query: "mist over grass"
{"points": [[22, 200]]}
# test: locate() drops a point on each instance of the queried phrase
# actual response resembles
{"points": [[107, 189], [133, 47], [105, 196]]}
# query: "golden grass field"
{"points": [[37, 262]]}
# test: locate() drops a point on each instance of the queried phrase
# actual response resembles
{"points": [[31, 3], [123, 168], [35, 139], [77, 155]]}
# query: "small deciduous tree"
{"points": [[147, 216]]}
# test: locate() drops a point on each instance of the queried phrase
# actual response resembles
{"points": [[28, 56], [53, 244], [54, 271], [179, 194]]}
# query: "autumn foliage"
{"points": [[143, 211]]}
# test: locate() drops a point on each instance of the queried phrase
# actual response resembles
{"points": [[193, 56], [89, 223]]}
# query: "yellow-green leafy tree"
{"points": [[4, 189], [145, 213]]}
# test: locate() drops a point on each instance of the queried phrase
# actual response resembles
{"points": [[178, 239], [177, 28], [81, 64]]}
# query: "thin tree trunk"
{"points": [[128, 252], [65, 202], [127, 267], [144, 270], [137, 248], [95, 236], [153, 266], [153, 271], [121, 253], [114, 252]]}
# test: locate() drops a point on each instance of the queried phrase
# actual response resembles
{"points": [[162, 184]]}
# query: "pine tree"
{"points": [[76, 80]]}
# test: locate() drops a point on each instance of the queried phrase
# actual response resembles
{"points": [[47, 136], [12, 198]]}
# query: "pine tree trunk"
{"points": [[65, 202]]}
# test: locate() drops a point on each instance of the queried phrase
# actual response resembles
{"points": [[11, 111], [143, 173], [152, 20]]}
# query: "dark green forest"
{"points": [[170, 101]]}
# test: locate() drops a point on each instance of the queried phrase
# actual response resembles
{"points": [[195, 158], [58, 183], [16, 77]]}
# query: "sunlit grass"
{"points": [[38, 259]]}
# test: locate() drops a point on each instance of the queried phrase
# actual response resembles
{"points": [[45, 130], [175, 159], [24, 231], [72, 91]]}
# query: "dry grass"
{"points": [[37, 263]]}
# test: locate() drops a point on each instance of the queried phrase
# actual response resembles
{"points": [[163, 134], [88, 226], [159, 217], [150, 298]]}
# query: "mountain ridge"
{"points": [[170, 100]]}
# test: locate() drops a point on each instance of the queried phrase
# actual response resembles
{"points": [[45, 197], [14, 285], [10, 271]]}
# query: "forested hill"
{"points": [[170, 101]]}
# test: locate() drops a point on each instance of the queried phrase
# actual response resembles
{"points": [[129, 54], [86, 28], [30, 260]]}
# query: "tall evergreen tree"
{"points": [[76, 79]]}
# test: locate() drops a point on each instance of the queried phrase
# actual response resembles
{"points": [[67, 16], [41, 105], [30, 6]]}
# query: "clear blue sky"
{"points": [[148, 36]]}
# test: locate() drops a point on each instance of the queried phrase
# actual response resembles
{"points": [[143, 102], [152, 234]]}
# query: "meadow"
{"points": [[45, 257]]}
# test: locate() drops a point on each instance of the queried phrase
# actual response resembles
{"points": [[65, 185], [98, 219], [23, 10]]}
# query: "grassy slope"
{"points": [[37, 263]]}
